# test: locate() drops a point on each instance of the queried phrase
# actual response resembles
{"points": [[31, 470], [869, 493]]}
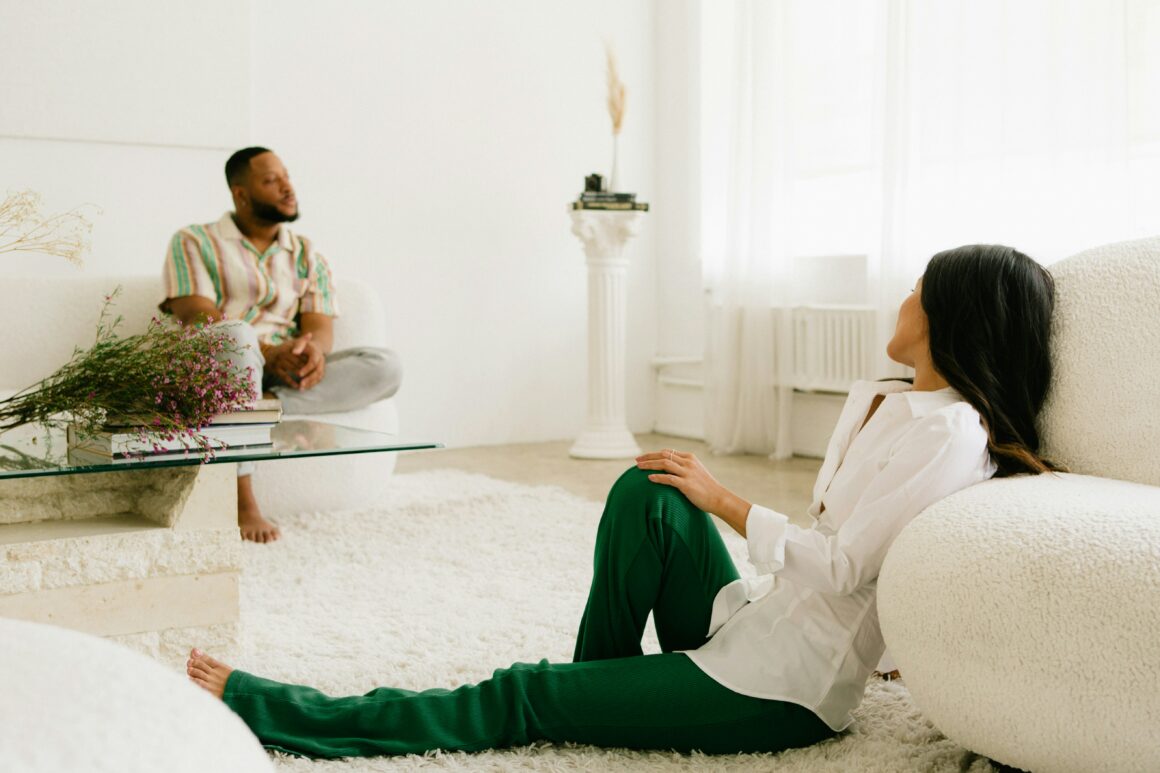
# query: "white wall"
{"points": [[434, 146], [96, 111], [678, 393], [680, 290]]}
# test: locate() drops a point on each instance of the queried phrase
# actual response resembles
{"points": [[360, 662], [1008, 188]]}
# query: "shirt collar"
{"points": [[285, 239], [923, 403], [229, 230]]}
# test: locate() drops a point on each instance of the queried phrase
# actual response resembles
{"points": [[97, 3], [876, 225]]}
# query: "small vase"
{"points": [[614, 178]]}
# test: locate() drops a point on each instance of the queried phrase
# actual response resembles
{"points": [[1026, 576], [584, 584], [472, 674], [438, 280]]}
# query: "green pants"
{"points": [[654, 552]]}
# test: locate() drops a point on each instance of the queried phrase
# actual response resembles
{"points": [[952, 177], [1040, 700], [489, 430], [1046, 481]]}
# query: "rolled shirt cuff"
{"points": [[765, 534], [765, 531]]}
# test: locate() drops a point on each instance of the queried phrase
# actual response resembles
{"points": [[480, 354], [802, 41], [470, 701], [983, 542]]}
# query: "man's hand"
{"points": [[297, 363]]}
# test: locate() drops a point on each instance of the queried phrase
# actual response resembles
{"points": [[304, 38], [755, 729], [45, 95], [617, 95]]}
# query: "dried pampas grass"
{"points": [[616, 91], [25, 228]]}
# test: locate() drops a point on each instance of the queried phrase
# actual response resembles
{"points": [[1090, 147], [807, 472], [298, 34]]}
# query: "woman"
{"points": [[747, 666]]}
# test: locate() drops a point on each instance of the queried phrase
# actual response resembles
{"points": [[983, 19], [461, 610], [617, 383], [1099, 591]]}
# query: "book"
{"points": [[82, 457], [264, 411], [614, 206], [606, 196], [268, 410], [111, 443]]}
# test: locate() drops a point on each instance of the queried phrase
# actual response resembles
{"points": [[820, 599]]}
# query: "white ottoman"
{"points": [[325, 483], [73, 702]]}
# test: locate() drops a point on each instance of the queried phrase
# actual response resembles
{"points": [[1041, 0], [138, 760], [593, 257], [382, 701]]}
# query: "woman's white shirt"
{"points": [[806, 629]]}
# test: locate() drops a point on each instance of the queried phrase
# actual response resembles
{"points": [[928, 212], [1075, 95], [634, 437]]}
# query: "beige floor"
{"points": [[785, 486]]}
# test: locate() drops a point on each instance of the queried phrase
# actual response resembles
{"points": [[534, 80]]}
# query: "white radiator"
{"points": [[832, 346], [821, 349]]}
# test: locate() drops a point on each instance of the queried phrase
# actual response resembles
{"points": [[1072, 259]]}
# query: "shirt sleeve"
{"points": [[184, 272], [940, 455], [318, 296]]}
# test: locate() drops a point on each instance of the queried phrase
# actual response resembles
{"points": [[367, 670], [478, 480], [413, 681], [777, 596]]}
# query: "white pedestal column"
{"points": [[604, 234]]}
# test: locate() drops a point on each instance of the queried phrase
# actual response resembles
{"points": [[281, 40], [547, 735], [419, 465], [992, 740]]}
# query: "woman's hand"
{"points": [[684, 472]]}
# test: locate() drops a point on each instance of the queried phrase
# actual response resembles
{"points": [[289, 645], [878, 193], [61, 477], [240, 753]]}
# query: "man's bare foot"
{"points": [[250, 521], [208, 673]]}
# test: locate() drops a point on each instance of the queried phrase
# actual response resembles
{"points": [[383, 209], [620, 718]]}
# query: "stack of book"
{"points": [[609, 201], [229, 434]]}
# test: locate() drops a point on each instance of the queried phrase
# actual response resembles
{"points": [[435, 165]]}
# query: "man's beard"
{"points": [[272, 214]]}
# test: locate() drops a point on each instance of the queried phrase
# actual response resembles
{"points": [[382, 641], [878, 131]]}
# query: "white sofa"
{"points": [[1024, 613], [47, 317]]}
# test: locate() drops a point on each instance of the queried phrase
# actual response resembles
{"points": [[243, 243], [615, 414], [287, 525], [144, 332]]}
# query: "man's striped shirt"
{"points": [[268, 290]]}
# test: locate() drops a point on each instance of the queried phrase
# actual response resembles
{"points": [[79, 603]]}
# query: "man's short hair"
{"points": [[239, 163]]}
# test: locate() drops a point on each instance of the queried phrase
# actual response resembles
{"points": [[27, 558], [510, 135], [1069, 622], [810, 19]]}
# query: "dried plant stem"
{"points": [[617, 92], [23, 228]]}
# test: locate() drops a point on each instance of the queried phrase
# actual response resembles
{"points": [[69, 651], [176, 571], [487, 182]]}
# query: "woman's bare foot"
{"points": [[208, 673], [250, 521]]}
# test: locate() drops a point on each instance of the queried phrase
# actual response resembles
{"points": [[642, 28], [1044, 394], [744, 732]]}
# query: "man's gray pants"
{"points": [[354, 378]]}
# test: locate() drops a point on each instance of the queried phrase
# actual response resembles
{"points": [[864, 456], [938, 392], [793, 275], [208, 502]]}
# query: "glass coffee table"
{"points": [[144, 550], [34, 451]]}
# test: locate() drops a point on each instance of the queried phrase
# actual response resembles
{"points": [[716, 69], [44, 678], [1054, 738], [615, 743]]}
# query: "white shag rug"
{"points": [[454, 575]]}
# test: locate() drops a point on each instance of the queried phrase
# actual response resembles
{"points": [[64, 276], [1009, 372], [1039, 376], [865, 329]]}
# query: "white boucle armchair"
{"points": [[1024, 613], [46, 317]]}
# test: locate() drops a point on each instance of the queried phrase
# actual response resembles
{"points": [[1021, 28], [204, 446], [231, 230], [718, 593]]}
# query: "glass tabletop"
{"points": [[33, 450]]}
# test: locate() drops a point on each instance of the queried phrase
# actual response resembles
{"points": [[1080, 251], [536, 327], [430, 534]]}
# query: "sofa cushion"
{"points": [[46, 318], [1102, 416]]}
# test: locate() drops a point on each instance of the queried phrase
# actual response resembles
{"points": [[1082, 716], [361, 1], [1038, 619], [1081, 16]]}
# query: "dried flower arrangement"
{"points": [[24, 228], [167, 383], [617, 94]]}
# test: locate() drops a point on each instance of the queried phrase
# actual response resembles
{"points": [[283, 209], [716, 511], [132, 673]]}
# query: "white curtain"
{"points": [[891, 130]]}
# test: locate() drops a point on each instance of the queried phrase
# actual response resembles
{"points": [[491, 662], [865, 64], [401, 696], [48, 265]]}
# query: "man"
{"points": [[275, 294]]}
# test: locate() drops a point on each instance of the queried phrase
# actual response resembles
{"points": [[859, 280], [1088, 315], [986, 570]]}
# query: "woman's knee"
{"points": [[633, 485], [634, 495]]}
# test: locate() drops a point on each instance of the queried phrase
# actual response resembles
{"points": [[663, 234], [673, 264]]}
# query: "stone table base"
{"points": [[136, 555]]}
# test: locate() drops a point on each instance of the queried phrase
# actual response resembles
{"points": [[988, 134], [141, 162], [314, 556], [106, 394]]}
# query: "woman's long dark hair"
{"points": [[989, 312]]}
